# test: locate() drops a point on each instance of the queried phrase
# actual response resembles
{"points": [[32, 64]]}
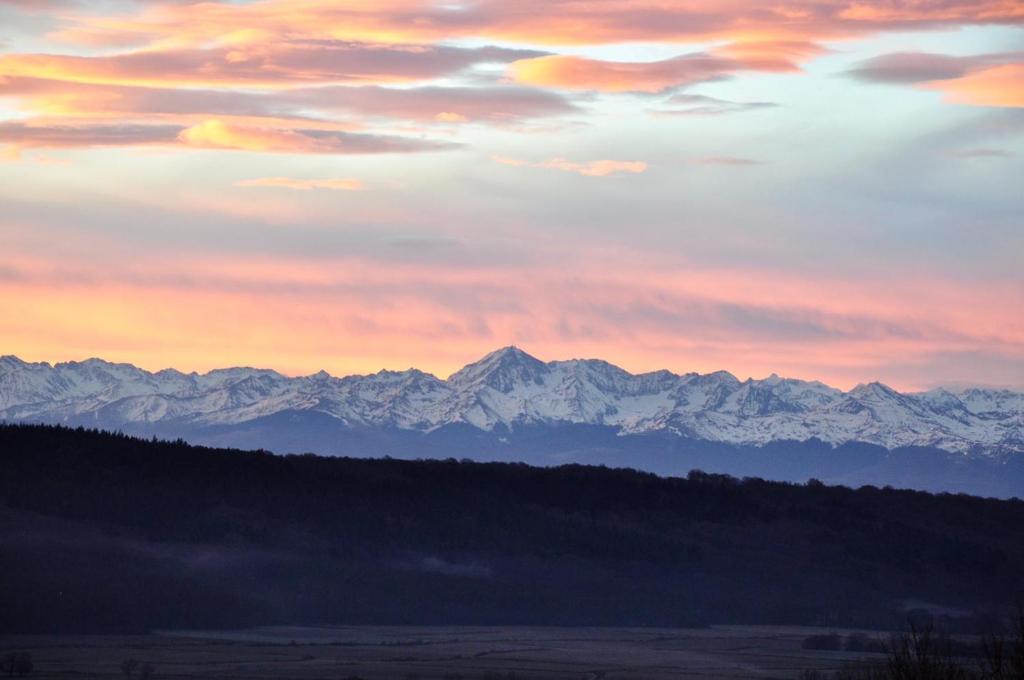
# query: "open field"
{"points": [[441, 653]]}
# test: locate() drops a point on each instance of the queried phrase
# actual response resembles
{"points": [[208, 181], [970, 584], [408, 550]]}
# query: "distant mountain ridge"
{"points": [[509, 390]]}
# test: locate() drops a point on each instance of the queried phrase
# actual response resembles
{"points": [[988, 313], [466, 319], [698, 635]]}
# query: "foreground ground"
{"points": [[429, 653]]}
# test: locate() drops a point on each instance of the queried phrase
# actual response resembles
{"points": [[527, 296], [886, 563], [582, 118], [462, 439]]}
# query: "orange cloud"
{"points": [[304, 184], [578, 73], [219, 135], [996, 86], [770, 55]]}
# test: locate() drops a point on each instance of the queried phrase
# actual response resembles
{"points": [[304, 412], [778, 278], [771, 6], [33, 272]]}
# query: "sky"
{"points": [[826, 189]]}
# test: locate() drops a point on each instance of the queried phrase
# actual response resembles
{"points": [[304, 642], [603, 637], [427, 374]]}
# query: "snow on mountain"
{"points": [[509, 388]]}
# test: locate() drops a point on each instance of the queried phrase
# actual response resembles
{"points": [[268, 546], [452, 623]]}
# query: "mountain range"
{"points": [[510, 405]]}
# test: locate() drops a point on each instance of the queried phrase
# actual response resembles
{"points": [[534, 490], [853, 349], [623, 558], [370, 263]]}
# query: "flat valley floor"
{"points": [[435, 653]]}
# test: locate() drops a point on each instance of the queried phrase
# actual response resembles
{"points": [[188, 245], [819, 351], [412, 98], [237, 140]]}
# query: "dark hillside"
{"points": [[107, 532]]}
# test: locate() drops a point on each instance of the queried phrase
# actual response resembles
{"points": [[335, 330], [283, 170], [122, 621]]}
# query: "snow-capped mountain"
{"points": [[509, 389]]}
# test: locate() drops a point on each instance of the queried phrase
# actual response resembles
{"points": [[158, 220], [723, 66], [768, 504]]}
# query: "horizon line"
{"points": [[954, 387]]}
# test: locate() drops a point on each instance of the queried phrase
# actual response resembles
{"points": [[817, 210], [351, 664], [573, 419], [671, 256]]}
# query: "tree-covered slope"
{"points": [[102, 532]]}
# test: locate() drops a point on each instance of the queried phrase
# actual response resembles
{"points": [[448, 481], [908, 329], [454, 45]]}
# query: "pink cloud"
{"points": [[29, 134], [273, 64], [597, 168], [445, 104], [507, 160], [555, 22], [337, 184]]}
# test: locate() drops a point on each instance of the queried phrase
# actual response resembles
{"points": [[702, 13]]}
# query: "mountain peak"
{"points": [[11, 361], [873, 388], [501, 369], [505, 356], [96, 362], [508, 353], [716, 377]]}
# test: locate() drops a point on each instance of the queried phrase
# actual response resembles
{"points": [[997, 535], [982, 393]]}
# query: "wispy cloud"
{"points": [[216, 134], [686, 104], [578, 73], [53, 136], [508, 160], [209, 134], [915, 67], [318, 60], [979, 80], [488, 104], [272, 64], [980, 153], [596, 168], [726, 160]]}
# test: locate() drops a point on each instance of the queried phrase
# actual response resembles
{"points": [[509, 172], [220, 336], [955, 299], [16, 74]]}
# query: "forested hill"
{"points": [[106, 532]]}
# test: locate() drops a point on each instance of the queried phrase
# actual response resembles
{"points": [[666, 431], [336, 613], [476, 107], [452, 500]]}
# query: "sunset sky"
{"points": [[826, 189]]}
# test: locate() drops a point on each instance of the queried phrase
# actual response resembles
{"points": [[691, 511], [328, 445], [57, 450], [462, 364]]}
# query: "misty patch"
{"points": [[437, 565]]}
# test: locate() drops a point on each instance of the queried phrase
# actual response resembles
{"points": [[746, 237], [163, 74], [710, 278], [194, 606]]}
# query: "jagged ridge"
{"points": [[509, 388]]}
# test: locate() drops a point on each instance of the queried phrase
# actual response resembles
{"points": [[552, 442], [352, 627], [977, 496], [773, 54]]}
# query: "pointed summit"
{"points": [[504, 357], [874, 390], [502, 370]]}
